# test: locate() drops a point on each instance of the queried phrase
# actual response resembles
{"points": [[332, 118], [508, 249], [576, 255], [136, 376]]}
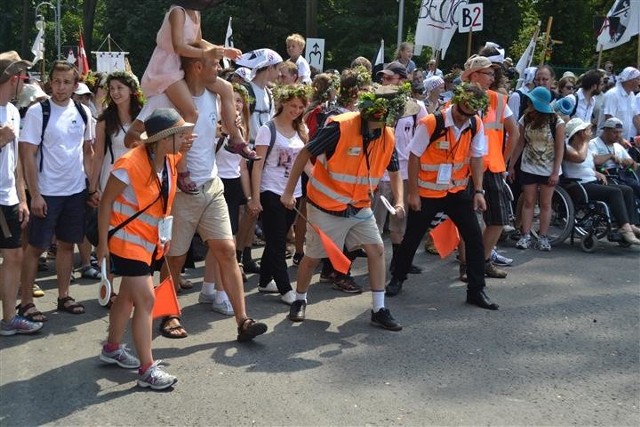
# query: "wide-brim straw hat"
{"points": [[11, 64], [164, 122]]}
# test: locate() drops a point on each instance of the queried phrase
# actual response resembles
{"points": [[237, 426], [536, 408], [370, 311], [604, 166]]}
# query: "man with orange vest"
{"points": [[498, 120], [447, 147], [352, 152]]}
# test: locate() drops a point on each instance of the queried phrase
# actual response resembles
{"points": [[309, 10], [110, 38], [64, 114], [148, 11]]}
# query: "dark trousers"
{"points": [[459, 207], [619, 198], [276, 221]]}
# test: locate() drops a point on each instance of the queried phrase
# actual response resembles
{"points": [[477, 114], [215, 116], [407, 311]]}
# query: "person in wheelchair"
{"points": [[612, 159], [579, 164]]}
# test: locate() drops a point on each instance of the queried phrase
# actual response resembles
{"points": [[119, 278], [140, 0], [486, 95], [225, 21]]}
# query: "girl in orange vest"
{"points": [[133, 229]]}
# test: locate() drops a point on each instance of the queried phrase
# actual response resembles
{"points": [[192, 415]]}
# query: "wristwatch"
{"points": [[479, 192]]}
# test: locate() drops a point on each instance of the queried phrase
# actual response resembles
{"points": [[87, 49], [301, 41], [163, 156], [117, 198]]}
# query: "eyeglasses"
{"points": [[487, 73], [569, 87]]}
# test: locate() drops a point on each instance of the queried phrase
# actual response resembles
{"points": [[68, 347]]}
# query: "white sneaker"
{"points": [[524, 242], [223, 307], [206, 298], [500, 260], [270, 288], [289, 297], [156, 378]]}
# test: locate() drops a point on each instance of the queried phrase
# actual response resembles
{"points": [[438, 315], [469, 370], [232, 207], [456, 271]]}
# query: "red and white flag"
{"points": [[83, 62]]}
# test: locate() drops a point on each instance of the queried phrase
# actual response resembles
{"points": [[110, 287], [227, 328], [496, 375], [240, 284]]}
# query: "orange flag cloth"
{"points": [[445, 237], [166, 300], [338, 259]]}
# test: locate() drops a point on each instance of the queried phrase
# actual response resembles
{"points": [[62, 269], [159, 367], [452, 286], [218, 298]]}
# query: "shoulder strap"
{"points": [[82, 112], [272, 141], [439, 130], [575, 106], [124, 223], [252, 97], [46, 114]]}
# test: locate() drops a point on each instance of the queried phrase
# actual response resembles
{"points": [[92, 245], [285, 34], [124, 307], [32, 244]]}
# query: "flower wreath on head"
{"points": [[244, 93], [363, 81], [130, 80], [472, 96], [377, 108], [284, 93], [334, 84]]}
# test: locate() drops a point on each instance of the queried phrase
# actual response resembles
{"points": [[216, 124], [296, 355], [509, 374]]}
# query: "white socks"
{"points": [[377, 300], [208, 288], [301, 296]]}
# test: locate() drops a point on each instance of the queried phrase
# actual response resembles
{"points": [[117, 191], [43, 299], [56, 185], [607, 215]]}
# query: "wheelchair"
{"points": [[591, 218], [628, 177], [562, 216]]}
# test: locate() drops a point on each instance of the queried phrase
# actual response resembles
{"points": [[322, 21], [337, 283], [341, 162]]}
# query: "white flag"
{"points": [[380, 56], [38, 46], [71, 58], [527, 55], [437, 23], [108, 62], [622, 23], [228, 42]]}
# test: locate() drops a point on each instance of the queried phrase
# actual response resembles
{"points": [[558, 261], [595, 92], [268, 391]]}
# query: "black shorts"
{"points": [[497, 212], [129, 267], [11, 215], [234, 197], [527, 178]]}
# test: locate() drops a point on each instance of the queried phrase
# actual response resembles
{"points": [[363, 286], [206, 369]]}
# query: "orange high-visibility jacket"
{"points": [[494, 130], [344, 179], [457, 154], [138, 239]]}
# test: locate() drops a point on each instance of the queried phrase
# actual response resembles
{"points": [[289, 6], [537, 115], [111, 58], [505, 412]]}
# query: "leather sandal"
{"points": [[31, 313], [241, 148], [174, 332], [249, 329], [70, 305]]}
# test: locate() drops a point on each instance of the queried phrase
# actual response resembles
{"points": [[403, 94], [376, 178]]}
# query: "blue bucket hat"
{"points": [[541, 99], [565, 105]]}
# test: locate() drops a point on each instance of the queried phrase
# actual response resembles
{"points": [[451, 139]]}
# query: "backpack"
{"points": [[272, 141], [46, 115], [523, 102], [440, 130], [252, 99]]}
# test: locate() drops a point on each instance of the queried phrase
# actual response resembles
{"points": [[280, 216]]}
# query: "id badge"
{"points": [[354, 151], [444, 173], [164, 228], [443, 145]]}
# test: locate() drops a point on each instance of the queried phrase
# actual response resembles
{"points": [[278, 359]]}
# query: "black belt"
{"points": [[346, 213]]}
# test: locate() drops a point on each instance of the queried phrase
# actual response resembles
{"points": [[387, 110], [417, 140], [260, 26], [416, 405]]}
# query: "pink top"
{"points": [[164, 67]]}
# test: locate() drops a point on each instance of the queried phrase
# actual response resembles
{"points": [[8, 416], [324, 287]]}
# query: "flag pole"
{"points": [[547, 36], [599, 56], [469, 43]]}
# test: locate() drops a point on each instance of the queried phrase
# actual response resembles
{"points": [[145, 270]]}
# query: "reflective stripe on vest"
{"points": [[456, 155], [128, 211], [133, 239], [345, 178], [494, 131]]}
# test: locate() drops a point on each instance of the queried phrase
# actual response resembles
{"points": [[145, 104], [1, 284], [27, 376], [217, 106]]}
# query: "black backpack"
{"points": [[46, 115], [252, 99]]}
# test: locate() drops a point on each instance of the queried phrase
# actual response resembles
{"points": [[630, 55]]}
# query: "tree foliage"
{"points": [[350, 27]]}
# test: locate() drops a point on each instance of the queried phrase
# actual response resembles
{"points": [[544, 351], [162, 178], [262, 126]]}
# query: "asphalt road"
{"points": [[564, 349]]}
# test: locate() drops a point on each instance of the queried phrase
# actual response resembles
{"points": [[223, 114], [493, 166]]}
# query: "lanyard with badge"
{"points": [[165, 225], [445, 170]]}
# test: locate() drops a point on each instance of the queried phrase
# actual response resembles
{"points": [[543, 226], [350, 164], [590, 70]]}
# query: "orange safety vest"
{"points": [[139, 238], [344, 179], [457, 154], [494, 130]]}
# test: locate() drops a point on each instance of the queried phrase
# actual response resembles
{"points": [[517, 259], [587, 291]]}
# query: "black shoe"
{"points": [[296, 312], [480, 299], [414, 269], [250, 266], [394, 287], [384, 319]]}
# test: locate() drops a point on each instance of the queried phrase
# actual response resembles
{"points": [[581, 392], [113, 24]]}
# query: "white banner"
{"points": [[108, 62], [38, 46], [228, 42], [437, 23], [380, 56], [622, 23], [315, 53]]}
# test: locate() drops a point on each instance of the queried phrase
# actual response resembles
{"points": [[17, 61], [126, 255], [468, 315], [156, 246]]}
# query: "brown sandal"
{"points": [[31, 313], [249, 329], [70, 305], [177, 331], [112, 299]]}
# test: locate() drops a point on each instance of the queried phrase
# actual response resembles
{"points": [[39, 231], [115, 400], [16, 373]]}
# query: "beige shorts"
{"points": [[205, 213], [353, 231]]}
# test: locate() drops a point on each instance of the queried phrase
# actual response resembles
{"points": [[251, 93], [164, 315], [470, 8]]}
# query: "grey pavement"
{"points": [[562, 350]]}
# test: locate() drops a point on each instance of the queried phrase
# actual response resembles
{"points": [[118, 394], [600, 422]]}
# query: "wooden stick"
{"points": [[469, 43], [599, 56], [547, 36]]}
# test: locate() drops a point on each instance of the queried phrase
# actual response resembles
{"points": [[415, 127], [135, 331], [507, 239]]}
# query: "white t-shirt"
{"points": [[9, 116], [118, 149], [420, 140], [598, 146], [585, 171], [539, 149], [622, 105], [279, 162], [63, 171], [228, 164], [403, 132], [304, 71], [201, 158], [263, 112]]}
